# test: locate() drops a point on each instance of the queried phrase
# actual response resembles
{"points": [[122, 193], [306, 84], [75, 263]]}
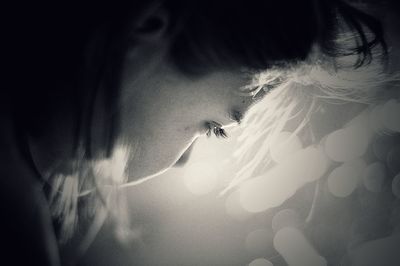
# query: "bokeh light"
{"points": [[285, 218], [201, 178], [285, 145], [281, 182], [234, 209], [343, 180], [260, 262], [347, 144], [264, 192], [295, 248]]}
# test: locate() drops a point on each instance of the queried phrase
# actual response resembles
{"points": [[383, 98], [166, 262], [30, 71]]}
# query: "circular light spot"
{"points": [[347, 144], [344, 179], [200, 178], [259, 242], [233, 207], [295, 248], [264, 192], [309, 164], [260, 262], [396, 186], [391, 115], [374, 176], [286, 145], [285, 218], [281, 182]]}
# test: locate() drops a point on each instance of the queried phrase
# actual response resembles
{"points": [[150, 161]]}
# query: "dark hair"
{"points": [[260, 34], [65, 53]]}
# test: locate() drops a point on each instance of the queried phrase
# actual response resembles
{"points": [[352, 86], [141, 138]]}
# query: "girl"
{"points": [[95, 85]]}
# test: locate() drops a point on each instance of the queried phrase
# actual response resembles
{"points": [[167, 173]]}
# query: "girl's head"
{"points": [[184, 63], [155, 75]]}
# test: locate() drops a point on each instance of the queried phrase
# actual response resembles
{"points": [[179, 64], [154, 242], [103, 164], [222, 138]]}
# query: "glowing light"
{"points": [[285, 218], [347, 144], [200, 178], [285, 146], [309, 164], [362, 119], [344, 179], [259, 241], [103, 168], [260, 262], [391, 115], [262, 193], [396, 186], [281, 182], [295, 249], [112, 170], [374, 176], [234, 209]]}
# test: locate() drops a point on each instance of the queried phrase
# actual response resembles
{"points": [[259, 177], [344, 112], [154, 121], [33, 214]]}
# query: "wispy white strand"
{"points": [[104, 177], [307, 86]]}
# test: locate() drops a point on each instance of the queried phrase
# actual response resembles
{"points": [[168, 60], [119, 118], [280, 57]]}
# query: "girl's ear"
{"points": [[152, 25], [148, 43]]}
